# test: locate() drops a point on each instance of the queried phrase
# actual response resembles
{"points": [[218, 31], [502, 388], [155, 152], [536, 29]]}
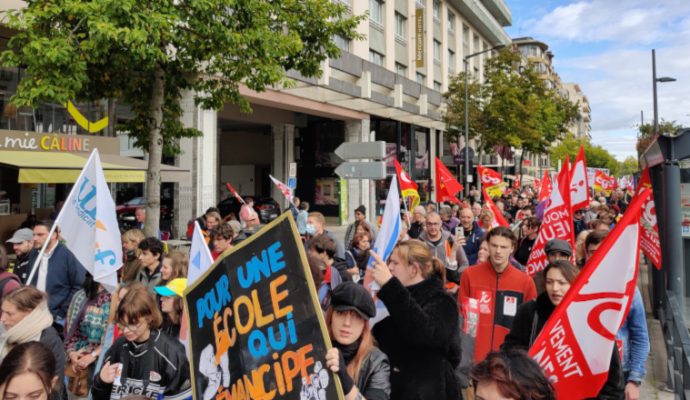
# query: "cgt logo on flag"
{"points": [[575, 346]]}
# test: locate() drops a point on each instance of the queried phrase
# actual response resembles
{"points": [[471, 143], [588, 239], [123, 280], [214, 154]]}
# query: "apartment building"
{"points": [[582, 126], [386, 87]]}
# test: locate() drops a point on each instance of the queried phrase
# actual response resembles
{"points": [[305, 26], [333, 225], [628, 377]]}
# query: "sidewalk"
{"points": [[654, 386]]}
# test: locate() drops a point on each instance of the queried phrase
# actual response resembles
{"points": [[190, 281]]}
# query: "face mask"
{"points": [[311, 230]]}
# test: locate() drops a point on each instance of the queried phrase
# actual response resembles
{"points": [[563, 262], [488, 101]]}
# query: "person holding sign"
{"points": [[421, 336], [143, 360], [531, 317], [354, 358]]}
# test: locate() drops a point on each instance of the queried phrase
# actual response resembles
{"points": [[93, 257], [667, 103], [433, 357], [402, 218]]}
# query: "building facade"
{"points": [[386, 87]]}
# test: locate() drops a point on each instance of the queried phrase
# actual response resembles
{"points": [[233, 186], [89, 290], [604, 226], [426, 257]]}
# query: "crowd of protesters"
{"points": [[62, 335]]}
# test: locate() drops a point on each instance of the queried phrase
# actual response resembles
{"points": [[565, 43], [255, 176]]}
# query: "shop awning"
{"points": [[48, 167]]}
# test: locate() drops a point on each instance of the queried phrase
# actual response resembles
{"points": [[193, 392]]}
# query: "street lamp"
{"points": [[467, 115], [654, 81]]}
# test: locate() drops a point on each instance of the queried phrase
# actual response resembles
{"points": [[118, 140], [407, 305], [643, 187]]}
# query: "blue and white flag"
{"points": [[390, 224], [199, 256], [88, 224]]}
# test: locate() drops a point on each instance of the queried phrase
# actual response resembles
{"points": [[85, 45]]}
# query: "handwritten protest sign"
{"points": [[256, 327]]}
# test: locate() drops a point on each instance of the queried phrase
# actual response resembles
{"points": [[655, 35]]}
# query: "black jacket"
{"points": [[526, 329], [374, 376], [158, 366], [421, 337], [51, 338]]}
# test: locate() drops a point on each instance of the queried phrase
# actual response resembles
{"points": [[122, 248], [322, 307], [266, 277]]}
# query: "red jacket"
{"points": [[499, 296]]}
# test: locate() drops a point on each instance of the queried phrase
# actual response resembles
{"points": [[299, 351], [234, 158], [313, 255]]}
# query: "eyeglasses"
{"points": [[433, 223], [130, 327]]}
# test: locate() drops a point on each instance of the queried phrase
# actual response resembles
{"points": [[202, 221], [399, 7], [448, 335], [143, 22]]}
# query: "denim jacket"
{"points": [[635, 340]]}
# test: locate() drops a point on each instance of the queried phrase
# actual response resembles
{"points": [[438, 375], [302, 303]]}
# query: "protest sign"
{"points": [[256, 327]]}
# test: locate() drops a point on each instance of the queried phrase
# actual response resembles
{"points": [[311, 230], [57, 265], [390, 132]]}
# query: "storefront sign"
{"points": [[256, 328], [419, 37], [57, 142]]}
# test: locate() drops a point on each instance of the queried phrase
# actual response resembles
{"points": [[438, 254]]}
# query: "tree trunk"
{"points": [[155, 150]]}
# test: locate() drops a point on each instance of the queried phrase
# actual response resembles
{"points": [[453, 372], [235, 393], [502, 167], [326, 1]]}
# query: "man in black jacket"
{"points": [[22, 243]]}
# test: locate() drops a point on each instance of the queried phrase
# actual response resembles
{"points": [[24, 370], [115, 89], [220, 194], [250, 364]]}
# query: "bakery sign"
{"points": [[57, 142]]}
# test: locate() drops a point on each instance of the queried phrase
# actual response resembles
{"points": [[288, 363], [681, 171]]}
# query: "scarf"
{"points": [[349, 351], [27, 329]]}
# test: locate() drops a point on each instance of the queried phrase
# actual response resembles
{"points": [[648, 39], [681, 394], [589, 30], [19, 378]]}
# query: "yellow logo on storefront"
{"points": [[81, 120]]}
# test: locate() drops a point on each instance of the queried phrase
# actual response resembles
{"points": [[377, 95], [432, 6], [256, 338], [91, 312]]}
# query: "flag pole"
{"points": [[57, 221]]}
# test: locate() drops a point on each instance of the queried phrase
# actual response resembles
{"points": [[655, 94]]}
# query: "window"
{"points": [[451, 61], [376, 11], [376, 58], [451, 22], [437, 86], [341, 42], [400, 69], [400, 26], [420, 78], [437, 51], [437, 10]]}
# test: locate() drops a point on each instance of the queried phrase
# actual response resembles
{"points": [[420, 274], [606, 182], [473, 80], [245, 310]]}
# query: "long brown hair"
{"points": [[30, 357], [366, 344], [416, 251]]}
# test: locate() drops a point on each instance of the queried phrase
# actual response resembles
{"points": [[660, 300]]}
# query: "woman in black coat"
{"points": [[533, 315], [421, 336]]}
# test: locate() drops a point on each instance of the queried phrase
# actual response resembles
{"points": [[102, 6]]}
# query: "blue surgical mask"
{"points": [[311, 230]]}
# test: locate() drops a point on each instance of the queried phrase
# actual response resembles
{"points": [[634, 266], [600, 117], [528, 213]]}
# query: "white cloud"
{"points": [[626, 21]]}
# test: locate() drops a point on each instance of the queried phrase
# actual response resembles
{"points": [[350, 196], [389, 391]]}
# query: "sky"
{"points": [[606, 47]]}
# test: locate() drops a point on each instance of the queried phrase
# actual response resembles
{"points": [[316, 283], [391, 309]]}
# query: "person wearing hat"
{"points": [[171, 305], [363, 369], [555, 249], [22, 243], [360, 218]]}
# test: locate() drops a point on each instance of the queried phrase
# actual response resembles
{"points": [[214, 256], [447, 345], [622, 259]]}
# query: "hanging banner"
{"points": [[649, 238], [257, 330], [419, 37]]}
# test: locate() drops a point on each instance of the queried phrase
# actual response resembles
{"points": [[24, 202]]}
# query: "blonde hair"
{"points": [[415, 251], [134, 235]]}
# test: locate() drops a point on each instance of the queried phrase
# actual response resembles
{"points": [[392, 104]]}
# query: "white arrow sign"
{"points": [[352, 150], [362, 170]]}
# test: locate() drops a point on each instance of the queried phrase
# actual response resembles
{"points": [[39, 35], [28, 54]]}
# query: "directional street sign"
{"points": [[352, 150], [362, 170]]}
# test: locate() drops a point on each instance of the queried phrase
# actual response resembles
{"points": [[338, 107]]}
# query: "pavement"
{"points": [[654, 386]]}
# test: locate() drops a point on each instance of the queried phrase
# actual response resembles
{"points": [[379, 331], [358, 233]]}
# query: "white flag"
{"points": [[199, 256], [88, 224]]}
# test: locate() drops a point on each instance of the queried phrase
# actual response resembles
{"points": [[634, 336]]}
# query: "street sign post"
{"points": [[352, 151], [362, 170], [365, 169]]}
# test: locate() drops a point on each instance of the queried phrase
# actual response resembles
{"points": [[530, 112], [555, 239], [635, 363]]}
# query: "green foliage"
{"points": [[629, 166], [596, 156], [94, 49], [147, 54], [645, 134], [512, 107]]}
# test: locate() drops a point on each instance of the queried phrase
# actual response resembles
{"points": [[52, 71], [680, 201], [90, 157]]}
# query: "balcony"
{"points": [[483, 20], [500, 11]]}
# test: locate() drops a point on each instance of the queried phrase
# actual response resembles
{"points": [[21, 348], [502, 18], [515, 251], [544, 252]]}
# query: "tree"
{"points": [[513, 107], [147, 54], [645, 135], [596, 156], [629, 166]]}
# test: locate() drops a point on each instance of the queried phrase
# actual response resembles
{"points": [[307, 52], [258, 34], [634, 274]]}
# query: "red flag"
{"points": [[574, 347], [546, 187], [499, 219], [557, 224], [564, 178], [516, 183], [448, 186], [489, 177], [234, 192], [649, 240], [408, 187], [579, 187]]}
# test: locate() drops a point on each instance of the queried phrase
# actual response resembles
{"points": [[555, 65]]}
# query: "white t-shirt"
{"points": [[43, 270]]}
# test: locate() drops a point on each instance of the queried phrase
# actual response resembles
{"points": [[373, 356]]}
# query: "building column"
{"points": [[360, 191], [283, 138], [200, 156]]}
